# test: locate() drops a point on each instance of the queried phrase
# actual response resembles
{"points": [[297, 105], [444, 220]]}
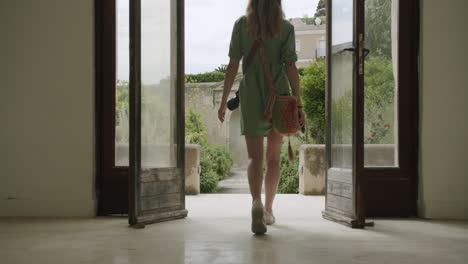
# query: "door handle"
{"points": [[366, 52], [347, 49]]}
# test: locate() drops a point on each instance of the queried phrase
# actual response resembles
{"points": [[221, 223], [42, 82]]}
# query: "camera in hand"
{"points": [[233, 103]]}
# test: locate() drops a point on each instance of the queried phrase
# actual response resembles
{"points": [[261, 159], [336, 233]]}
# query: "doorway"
{"points": [[372, 186]]}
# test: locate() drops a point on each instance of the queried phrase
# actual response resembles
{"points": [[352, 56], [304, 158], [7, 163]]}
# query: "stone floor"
{"points": [[217, 231]]}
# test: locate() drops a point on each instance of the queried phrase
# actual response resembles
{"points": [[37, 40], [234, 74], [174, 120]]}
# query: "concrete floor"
{"points": [[217, 230]]}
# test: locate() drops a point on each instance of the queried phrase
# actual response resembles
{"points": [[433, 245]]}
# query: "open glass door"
{"points": [[344, 79], [156, 189]]}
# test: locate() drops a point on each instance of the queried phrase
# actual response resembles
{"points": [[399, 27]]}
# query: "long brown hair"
{"points": [[265, 17]]}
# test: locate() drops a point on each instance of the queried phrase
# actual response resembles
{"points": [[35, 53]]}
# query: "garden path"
{"points": [[237, 182]]}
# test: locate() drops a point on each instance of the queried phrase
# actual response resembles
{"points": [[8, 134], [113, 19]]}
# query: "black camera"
{"points": [[233, 103]]}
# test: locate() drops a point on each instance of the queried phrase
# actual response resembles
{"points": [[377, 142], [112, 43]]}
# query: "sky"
{"points": [[208, 28]]}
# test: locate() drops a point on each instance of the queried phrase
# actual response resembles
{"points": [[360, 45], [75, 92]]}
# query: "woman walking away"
{"points": [[265, 21]]}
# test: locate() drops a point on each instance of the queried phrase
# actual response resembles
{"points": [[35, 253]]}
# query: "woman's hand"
{"points": [[230, 75], [301, 117], [222, 111]]}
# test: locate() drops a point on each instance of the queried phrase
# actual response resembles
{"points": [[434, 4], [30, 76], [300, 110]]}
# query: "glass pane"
{"points": [[158, 86], [342, 85], [380, 87], [121, 92], [342, 21], [342, 110]]}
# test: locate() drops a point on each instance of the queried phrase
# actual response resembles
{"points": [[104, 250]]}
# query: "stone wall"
{"points": [[205, 98]]}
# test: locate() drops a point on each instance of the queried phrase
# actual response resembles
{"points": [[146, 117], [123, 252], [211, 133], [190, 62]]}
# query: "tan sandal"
{"points": [[269, 218], [258, 222]]}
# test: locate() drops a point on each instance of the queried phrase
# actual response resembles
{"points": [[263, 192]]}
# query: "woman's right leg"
{"points": [[255, 175], [273, 153], [255, 167]]}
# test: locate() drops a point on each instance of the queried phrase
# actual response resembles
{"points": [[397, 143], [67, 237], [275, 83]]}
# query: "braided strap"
{"points": [[271, 86], [269, 107]]}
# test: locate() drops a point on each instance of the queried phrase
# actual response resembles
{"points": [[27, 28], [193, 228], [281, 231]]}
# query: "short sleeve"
{"points": [[235, 50], [288, 48]]}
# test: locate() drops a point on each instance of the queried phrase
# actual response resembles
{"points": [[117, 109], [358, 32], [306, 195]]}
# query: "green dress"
{"points": [[279, 50]]}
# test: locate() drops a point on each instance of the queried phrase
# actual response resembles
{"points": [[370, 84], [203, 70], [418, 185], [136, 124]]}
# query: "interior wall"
{"points": [[47, 108], [444, 110]]}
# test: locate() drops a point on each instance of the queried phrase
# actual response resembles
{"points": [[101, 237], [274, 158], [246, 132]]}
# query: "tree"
{"points": [[378, 27], [320, 11]]}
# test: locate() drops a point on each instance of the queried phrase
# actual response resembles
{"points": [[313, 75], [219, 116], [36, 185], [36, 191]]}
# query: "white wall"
{"points": [[444, 109], [46, 108]]}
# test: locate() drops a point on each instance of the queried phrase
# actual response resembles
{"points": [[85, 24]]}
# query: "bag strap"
{"points": [[259, 45], [252, 51], [266, 66], [271, 100]]}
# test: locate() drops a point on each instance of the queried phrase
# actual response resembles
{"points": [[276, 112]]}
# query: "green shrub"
{"points": [[214, 76], [220, 159], [122, 100], [195, 130], [221, 68], [208, 178], [378, 99], [342, 118], [312, 79], [379, 95], [289, 179], [216, 163]]}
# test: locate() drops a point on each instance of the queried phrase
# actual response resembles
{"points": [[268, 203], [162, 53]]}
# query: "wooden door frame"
{"points": [[137, 216], [393, 192], [403, 181], [106, 173], [357, 219], [104, 83]]}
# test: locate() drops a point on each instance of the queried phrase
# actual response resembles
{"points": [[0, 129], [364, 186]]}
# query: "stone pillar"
{"points": [[312, 169], [192, 168]]}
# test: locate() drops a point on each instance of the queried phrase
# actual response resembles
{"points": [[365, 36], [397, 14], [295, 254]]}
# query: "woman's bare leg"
{"points": [[273, 153], [255, 169]]}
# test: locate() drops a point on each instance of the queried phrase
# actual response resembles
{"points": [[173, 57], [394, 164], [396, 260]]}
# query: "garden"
{"points": [[216, 161]]}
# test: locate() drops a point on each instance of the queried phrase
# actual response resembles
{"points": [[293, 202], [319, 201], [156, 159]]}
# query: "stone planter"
{"points": [[312, 169], [192, 168], [312, 163]]}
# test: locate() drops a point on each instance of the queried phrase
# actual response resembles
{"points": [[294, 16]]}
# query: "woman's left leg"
{"points": [[273, 152]]}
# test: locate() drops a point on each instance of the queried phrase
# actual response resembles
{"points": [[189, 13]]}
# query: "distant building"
{"points": [[310, 41]]}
